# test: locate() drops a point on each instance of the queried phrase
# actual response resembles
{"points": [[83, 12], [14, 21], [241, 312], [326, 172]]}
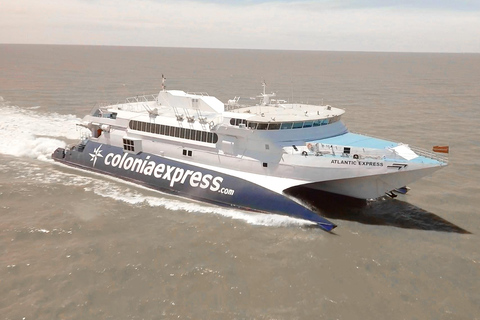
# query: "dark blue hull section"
{"points": [[186, 180]]}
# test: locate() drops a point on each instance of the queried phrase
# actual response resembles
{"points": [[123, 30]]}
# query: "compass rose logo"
{"points": [[97, 153]]}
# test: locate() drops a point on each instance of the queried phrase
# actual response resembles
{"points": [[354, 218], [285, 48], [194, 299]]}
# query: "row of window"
{"points": [[283, 125], [171, 131], [128, 145], [187, 152], [104, 114]]}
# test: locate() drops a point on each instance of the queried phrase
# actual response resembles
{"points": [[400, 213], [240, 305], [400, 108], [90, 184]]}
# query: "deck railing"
{"points": [[135, 104], [144, 98], [429, 154], [202, 94]]}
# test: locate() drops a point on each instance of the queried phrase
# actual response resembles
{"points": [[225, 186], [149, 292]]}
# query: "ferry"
{"points": [[243, 155]]}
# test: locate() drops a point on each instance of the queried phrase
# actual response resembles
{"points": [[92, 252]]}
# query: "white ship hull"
{"points": [[371, 187]]}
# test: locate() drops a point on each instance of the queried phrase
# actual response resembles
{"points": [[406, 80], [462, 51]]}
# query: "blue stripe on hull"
{"points": [[186, 180]]}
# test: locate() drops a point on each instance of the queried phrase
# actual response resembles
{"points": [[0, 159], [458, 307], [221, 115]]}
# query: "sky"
{"points": [[326, 25]]}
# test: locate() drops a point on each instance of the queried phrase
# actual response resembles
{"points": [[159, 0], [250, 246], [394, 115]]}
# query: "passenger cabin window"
{"points": [[104, 114], [128, 145], [183, 133], [236, 122]]}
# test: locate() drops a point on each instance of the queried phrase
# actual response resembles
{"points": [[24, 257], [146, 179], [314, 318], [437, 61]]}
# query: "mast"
{"points": [[266, 96], [163, 82]]}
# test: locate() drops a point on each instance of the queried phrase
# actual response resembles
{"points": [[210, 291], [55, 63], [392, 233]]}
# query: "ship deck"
{"points": [[357, 140], [350, 139]]}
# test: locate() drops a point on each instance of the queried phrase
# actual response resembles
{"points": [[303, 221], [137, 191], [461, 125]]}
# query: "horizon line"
{"points": [[246, 49]]}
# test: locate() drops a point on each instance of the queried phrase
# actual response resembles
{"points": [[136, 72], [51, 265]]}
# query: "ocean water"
{"points": [[76, 245]]}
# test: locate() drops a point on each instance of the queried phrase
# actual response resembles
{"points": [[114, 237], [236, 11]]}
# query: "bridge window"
{"points": [[262, 126], [307, 124], [297, 125], [274, 126], [236, 122]]}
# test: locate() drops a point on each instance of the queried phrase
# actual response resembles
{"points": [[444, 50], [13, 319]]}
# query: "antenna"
{"points": [[163, 82], [266, 97], [291, 87]]}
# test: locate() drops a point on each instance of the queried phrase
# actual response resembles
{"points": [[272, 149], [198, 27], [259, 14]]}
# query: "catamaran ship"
{"points": [[245, 156]]}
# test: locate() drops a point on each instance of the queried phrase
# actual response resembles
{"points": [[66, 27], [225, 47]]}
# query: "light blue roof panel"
{"points": [[357, 140]]}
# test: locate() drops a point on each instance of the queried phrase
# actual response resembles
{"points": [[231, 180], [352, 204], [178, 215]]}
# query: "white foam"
{"points": [[50, 176], [117, 189], [132, 197], [29, 133], [131, 194]]}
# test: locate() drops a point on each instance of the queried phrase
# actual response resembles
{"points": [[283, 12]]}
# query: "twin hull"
{"points": [[184, 179]]}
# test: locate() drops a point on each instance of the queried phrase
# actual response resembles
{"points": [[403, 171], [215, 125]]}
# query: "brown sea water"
{"points": [[74, 245]]}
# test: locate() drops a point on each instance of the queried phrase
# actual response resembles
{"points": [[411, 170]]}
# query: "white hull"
{"points": [[371, 187]]}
